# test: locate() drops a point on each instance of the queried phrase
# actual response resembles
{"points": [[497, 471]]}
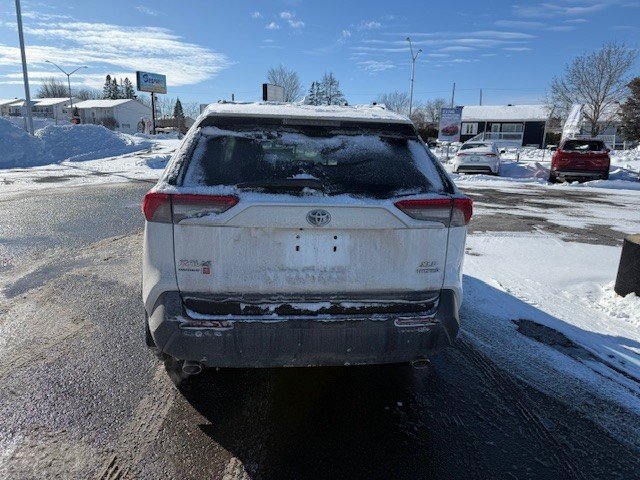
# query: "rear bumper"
{"points": [[390, 338], [580, 174], [476, 167]]}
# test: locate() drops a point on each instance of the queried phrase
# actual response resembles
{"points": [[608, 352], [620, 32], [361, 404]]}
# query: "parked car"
{"points": [[301, 236], [477, 157], [580, 159]]}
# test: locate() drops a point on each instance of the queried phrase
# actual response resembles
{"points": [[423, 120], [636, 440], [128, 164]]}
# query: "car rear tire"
{"points": [[553, 178], [605, 176]]}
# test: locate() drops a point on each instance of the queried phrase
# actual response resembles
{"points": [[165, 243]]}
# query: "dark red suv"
{"points": [[580, 159]]}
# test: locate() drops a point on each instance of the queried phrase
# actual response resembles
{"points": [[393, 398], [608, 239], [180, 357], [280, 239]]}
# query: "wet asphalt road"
{"points": [[82, 398]]}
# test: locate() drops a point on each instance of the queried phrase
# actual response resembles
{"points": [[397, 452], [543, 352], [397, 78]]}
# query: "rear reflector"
{"points": [[168, 208], [452, 212]]}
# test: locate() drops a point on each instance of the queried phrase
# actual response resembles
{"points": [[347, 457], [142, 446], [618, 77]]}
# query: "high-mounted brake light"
{"points": [[454, 212], [168, 208]]}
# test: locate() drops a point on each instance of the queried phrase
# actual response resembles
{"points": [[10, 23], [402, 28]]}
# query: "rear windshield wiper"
{"points": [[284, 184]]}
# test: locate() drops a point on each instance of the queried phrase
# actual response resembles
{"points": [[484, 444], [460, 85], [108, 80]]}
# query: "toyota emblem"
{"points": [[318, 218]]}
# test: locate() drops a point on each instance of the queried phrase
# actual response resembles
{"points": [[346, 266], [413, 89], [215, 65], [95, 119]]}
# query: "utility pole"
{"points": [[153, 114], [68, 81], [413, 72], [25, 74], [480, 96], [453, 95]]}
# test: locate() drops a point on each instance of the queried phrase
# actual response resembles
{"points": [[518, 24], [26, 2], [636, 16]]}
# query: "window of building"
{"points": [[512, 127], [469, 128]]}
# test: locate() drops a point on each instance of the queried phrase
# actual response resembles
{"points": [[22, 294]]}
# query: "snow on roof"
{"points": [[8, 101], [20, 103], [505, 112], [368, 113], [45, 102], [102, 103]]}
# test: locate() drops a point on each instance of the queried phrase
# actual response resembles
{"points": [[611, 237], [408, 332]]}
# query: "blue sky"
{"points": [[209, 49]]}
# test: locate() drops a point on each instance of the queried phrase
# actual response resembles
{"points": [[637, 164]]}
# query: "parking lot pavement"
{"points": [[82, 398]]}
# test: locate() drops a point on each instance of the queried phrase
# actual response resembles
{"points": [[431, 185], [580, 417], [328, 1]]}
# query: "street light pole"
{"points": [[68, 81], [25, 74], [413, 72]]}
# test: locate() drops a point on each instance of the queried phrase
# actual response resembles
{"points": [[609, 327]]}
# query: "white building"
{"points": [[54, 108], [5, 104], [122, 115], [576, 124]]}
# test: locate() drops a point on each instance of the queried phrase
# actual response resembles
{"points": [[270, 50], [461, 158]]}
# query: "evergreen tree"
{"points": [[114, 94], [178, 113], [330, 90], [631, 112], [312, 96], [106, 90], [127, 89]]}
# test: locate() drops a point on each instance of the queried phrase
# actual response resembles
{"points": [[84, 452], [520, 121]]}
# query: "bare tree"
{"points": [[88, 94], [395, 101], [287, 79], [432, 109], [52, 88], [191, 109], [597, 80]]}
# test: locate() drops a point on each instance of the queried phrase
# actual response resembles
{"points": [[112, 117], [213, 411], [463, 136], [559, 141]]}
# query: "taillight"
{"points": [[460, 154], [167, 208], [191, 206], [454, 212], [490, 155], [157, 207]]}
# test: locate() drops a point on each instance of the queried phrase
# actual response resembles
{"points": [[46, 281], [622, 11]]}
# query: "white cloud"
{"points": [[562, 28], [256, 14], [375, 66], [272, 26], [518, 24], [518, 49], [544, 10], [457, 48], [291, 19], [146, 10], [107, 48], [369, 25], [345, 33]]}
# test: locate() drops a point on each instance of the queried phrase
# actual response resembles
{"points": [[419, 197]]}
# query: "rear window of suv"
{"points": [[359, 160], [583, 146]]}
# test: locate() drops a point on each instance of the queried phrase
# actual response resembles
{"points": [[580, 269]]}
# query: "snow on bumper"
{"points": [[303, 342]]}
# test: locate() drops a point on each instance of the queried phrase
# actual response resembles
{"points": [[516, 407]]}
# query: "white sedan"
{"points": [[477, 157]]}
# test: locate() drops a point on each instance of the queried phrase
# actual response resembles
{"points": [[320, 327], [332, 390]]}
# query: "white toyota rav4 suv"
{"points": [[295, 235]]}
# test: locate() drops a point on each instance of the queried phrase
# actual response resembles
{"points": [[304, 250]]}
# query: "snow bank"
{"points": [[86, 142], [18, 148], [55, 143]]}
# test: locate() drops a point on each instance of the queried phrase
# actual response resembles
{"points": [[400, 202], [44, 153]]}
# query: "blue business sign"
{"points": [[151, 82]]}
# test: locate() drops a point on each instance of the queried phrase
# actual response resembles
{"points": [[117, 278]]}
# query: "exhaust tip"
{"points": [[189, 367], [420, 363]]}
